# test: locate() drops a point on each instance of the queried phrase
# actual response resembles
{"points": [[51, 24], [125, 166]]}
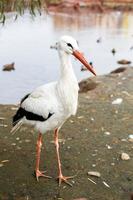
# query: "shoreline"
{"points": [[96, 6]]}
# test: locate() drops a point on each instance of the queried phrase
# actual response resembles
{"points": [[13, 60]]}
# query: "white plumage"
{"points": [[50, 105]]}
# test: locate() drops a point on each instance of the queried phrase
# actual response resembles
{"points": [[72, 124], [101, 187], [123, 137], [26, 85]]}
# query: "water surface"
{"points": [[27, 43]]}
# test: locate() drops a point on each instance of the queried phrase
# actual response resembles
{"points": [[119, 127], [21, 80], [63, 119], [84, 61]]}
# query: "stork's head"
{"points": [[69, 45]]}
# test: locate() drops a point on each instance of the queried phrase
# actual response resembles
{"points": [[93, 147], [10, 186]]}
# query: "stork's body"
{"points": [[50, 105]]}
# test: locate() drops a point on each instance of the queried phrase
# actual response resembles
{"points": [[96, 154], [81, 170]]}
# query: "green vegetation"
{"points": [[19, 7]]}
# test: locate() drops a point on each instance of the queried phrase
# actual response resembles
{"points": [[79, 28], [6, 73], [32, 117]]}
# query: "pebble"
{"points": [[4, 125], [92, 119], [112, 164], [4, 161], [107, 133], [80, 117], [1, 165], [2, 118], [71, 121], [19, 148], [125, 156], [116, 111], [117, 101], [108, 146], [94, 173], [130, 136], [123, 140], [14, 108], [27, 140], [13, 144]]}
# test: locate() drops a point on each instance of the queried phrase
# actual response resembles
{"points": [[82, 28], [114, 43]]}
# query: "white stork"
{"points": [[50, 105]]}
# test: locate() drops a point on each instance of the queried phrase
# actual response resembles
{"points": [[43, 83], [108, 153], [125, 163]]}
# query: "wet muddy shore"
{"points": [[93, 140]]}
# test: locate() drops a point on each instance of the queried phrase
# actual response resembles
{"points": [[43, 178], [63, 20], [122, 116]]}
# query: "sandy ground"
{"points": [[93, 140]]}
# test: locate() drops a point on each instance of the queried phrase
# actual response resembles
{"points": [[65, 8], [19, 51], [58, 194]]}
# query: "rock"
{"points": [[118, 70], [94, 173], [117, 101], [87, 85], [108, 146], [125, 156], [107, 133], [130, 138]]}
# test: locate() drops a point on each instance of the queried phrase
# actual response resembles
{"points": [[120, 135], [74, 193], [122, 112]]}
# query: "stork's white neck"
{"points": [[66, 69], [67, 86]]}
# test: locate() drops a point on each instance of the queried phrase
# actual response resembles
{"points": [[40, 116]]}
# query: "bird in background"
{"points": [[50, 105], [9, 67]]}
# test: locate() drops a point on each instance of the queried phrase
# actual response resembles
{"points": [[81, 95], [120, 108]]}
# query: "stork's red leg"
{"points": [[37, 171], [60, 177]]}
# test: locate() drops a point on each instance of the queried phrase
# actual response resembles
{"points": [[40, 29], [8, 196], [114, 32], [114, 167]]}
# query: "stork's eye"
{"points": [[68, 44]]}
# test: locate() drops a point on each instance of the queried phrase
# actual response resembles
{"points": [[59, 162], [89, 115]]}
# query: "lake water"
{"points": [[27, 43]]}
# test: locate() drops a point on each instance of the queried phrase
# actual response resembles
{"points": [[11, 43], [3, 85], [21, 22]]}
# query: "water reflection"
{"points": [[27, 43], [85, 20]]}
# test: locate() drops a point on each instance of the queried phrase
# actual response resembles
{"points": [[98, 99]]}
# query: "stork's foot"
{"points": [[64, 179], [39, 173]]}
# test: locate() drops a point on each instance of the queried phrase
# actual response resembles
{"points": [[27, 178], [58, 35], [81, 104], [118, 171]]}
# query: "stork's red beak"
{"points": [[81, 58]]}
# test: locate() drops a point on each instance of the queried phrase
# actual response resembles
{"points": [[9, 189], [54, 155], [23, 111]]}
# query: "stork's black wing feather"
{"points": [[25, 97], [29, 116]]}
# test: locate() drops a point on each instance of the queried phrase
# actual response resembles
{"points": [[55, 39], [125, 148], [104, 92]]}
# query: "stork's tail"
{"points": [[16, 127], [17, 120]]}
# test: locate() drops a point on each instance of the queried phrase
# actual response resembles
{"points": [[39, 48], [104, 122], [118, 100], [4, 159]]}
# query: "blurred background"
{"points": [[28, 31]]}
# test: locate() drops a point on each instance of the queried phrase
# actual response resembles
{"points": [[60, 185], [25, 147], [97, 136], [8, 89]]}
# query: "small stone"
{"points": [[19, 148], [1, 165], [112, 164], [125, 156], [80, 117], [123, 140], [116, 111], [14, 108], [130, 136], [117, 101], [13, 144], [92, 119], [4, 161], [94, 173], [123, 78], [108, 146], [27, 140], [17, 138], [130, 140], [93, 165], [107, 133], [71, 121], [4, 125], [2, 118]]}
